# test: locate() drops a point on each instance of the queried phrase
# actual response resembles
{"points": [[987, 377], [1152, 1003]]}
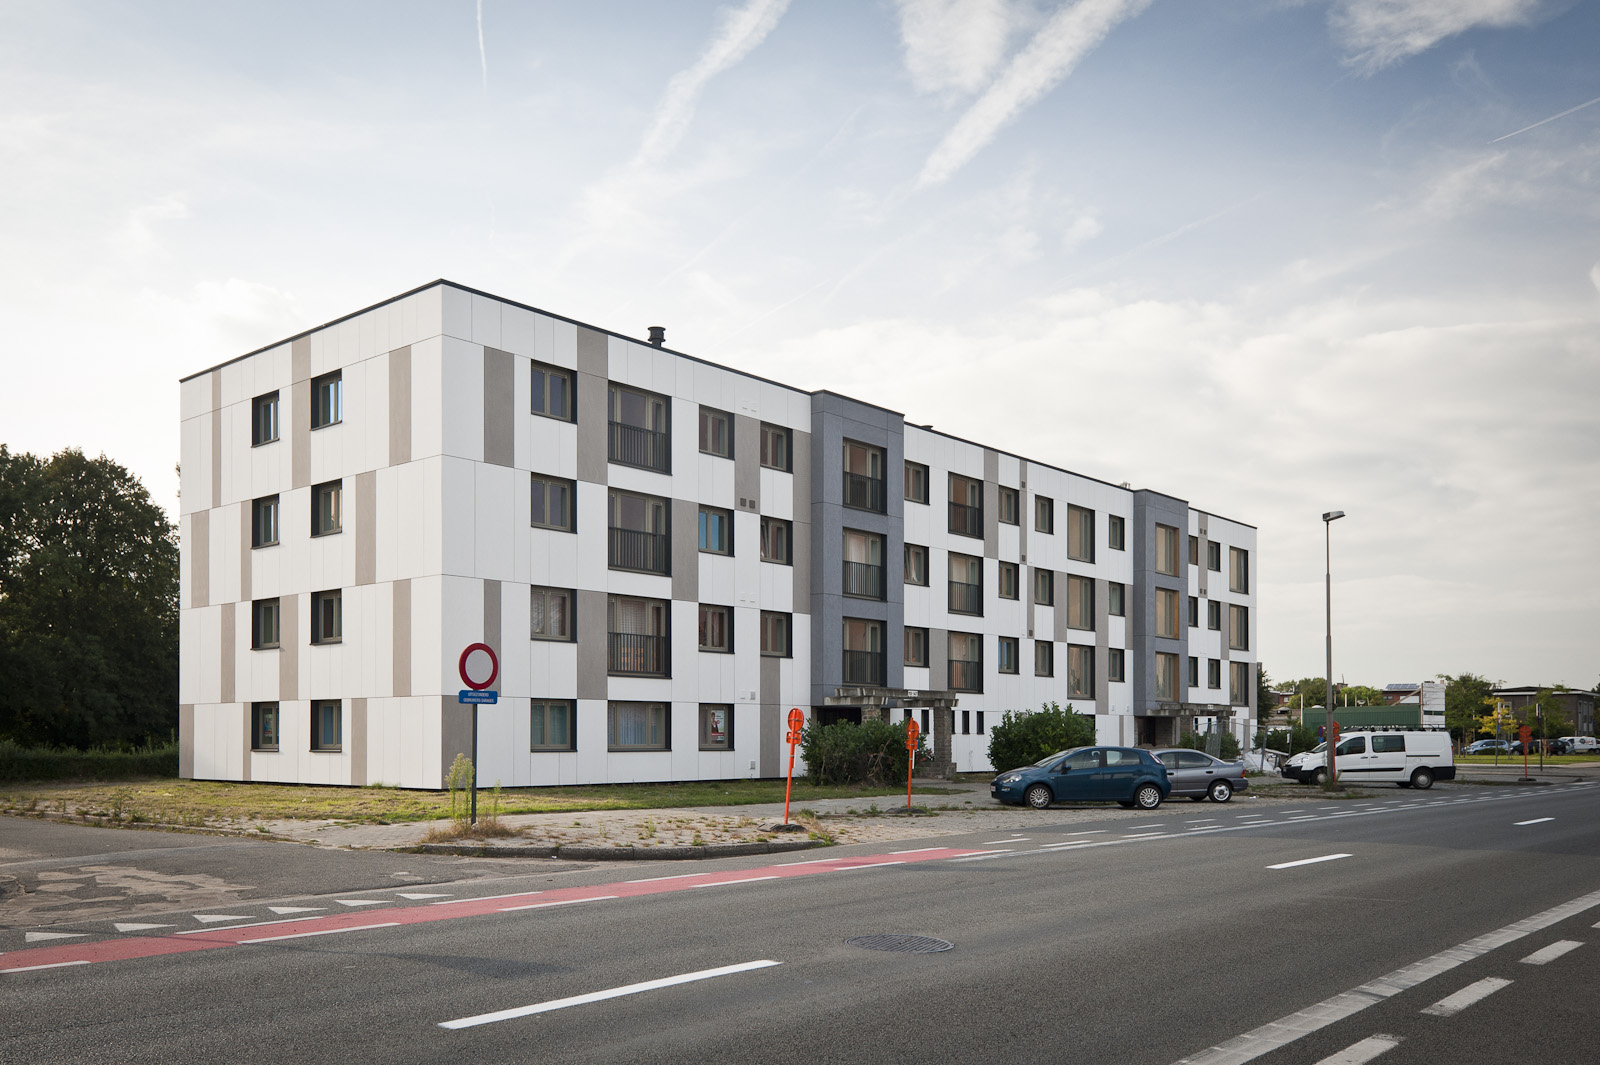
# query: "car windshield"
{"points": [[1047, 759], [1319, 748]]}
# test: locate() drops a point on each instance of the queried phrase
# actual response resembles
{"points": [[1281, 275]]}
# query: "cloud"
{"points": [[1069, 35], [137, 236], [1594, 276], [483, 56], [1546, 121], [952, 46], [215, 320], [1379, 33]]}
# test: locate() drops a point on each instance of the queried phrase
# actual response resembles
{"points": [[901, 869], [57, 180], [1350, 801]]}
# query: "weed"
{"points": [[648, 829]]}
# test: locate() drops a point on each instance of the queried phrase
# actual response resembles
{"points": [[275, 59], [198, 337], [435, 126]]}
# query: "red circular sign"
{"points": [[494, 666], [797, 720]]}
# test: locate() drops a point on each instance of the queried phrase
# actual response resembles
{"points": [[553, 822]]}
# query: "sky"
{"points": [[1276, 257]]}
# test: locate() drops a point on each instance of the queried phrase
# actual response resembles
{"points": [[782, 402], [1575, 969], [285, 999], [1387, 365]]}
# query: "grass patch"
{"points": [[19, 763], [1533, 759], [200, 802]]}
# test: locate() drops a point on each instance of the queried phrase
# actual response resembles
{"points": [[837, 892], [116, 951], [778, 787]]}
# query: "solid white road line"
{"points": [[745, 880], [212, 918], [850, 868], [984, 857], [296, 909], [361, 902], [319, 932], [35, 968], [1013, 839], [562, 902], [1552, 952], [601, 996], [39, 937], [1309, 861], [1453, 1004], [1362, 1052], [1535, 821], [654, 879], [919, 850], [420, 895], [1064, 843]]}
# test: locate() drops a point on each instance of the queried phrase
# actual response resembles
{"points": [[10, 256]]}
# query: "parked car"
{"points": [[1582, 744], [1486, 747], [1411, 759], [1197, 775], [1124, 775], [1291, 767], [1550, 746]]}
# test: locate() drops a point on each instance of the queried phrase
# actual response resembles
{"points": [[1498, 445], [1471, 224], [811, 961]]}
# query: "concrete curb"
{"points": [[585, 853]]}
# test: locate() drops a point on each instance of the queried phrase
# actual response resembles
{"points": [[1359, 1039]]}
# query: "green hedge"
{"points": [[873, 752], [1023, 737], [19, 764]]}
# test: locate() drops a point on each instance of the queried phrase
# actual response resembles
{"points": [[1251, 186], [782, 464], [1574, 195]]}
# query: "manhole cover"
{"points": [[904, 944]]}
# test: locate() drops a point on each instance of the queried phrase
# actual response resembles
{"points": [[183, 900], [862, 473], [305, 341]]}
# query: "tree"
{"points": [[1360, 695], [1265, 702], [88, 604], [1467, 698], [1022, 738]]}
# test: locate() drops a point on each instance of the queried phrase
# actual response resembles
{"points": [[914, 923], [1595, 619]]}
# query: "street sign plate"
{"points": [[479, 666], [482, 698], [797, 720]]}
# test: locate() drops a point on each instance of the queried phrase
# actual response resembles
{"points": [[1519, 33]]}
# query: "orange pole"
{"points": [[787, 788], [911, 767]]}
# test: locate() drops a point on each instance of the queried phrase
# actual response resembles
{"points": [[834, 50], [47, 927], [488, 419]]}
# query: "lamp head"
{"points": [[1333, 515]]}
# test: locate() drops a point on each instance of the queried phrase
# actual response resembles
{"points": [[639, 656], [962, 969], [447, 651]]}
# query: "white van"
{"points": [[1581, 744], [1409, 759]]}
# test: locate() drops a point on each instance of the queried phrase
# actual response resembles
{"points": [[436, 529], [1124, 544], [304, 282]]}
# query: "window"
{"points": [[326, 721], [1117, 599], [1395, 744], [1080, 534], [1167, 613], [1044, 587], [263, 726], [550, 505], [1194, 672], [264, 624], [552, 392], [1167, 550], [1008, 654], [1080, 603], [966, 662], [327, 399], [1166, 676], [1213, 672], [916, 646], [637, 634], [1194, 550], [1238, 627], [1239, 683], [1008, 581], [264, 430], [916, 564], [716, 433], [639, 429], [1008, 505], [916, 482], [776, 537], [863, 651], [327, 617], [716, 629], [1044, 658], [1116, 669], [863, 477], [966, 722], [863, 564], [638, 727], [775, 447], [966, 506], [716, 531], [551, 614], [1080, 672], [1239, 570], [1353, 745], [966, 584], [979, 715], [264, 522], [550, 725], [327, 508], [1044, 514], [1116, 533], [716, 727], [637, 537], [1213, 615], [1194, 612], [1213, 556], [775, 634]]}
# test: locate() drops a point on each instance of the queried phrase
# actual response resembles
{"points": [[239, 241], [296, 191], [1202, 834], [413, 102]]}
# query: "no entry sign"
{"points": [[479, 667]]}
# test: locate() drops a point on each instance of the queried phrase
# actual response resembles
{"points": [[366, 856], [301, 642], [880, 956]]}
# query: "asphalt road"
{"points": [[1160, 939]]}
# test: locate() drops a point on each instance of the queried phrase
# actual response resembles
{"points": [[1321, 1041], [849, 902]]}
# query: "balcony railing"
{"points": [[966, 598], [864, 580], [864, 667], [966, 521], [633, 655], [633, 445], [863, 492], [966, 676], [645, 551]]}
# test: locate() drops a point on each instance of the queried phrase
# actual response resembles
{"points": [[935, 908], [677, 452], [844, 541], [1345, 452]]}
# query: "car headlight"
{"points": [[1012, 779]]}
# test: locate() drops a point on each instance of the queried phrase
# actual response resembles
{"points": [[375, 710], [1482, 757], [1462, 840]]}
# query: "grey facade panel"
{"points": [[1102, 645], [400, 648], [685, 535], [991, 504], [1205, 541], [771, 718], [246, 740], [455, 733], [1024, 514], [400, 405], [245, 558], [364, 487], [939, 659], [591, 630], [1149, 510], [288, 648], [499, 407], [300, 434], [358, 742], [216, 438], [200, 558], [592, 430], [300, 360], [800, 549], [747, 463], [228, 650], [491, 622], [186, 741]]}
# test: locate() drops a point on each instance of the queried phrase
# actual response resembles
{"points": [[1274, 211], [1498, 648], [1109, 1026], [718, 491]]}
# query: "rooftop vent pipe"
{"points": [[658, 335]]}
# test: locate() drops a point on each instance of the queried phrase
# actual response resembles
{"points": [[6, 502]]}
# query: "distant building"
{"points": [[1578, 705], [1399, 693]]}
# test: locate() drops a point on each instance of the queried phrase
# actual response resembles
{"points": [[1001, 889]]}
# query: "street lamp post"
{"points": [[1327, 528]]}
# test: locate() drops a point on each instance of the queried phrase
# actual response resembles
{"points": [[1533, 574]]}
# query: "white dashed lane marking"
{"points": [[1309, 861], [1535, 821], [1362, 1052], [1451, 1005], [1552, 952]]}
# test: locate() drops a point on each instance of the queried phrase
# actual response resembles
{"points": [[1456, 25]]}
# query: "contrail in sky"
{"points": [[483, 57], [1542, 121]]}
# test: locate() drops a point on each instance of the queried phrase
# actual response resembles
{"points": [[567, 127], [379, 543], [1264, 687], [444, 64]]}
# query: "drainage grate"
{"points": [[904, 944]]}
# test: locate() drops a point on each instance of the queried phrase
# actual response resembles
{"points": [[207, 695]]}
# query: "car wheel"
{"points": [[1422, 779], [1320, 777], [1221, 791], [1148, 797], [1039, 796]]}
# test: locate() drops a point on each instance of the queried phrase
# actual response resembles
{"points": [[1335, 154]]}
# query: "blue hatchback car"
{"points": [[1124, 775]]}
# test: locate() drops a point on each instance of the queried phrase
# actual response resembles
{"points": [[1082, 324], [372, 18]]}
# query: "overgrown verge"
{"points": [[20, 764]]}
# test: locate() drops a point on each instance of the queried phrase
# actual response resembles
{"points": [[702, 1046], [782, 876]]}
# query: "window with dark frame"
{"points": [[916, 564], [264, 627], [1116, 532], [775, 641], [716, 531], [1194, 550], [1213, 672], [1080, 671], [1008, 652], [1239, 627], [1009, 579], [264, 734], [916, 482], [550, 503], [327, 616], [1167, 613], [1080, 602], [264, 522], [1167, 550], [1214, 615], [638, 637], [1117, 599], [327, 508], [264, 420], [552, 393], [1239, 683], [1044, 514], [1194, 671], [550, 725], [637, 537], [639, 424], [1116, 671], [1166, 676], [965, 584], [1044, 658], [863, 575], [1213, 556], [327, 731], [1008, 505], [716, 727], [775, 447], [864, 661], [1080, 533], [716, 433], [1239, 570], [966, 506], [777, 541], [327, 399], [916, 646], [1044, 586], [1194, 612], [638, 727], [965, 661], [716, 629], [864, 477], [550, 613]]}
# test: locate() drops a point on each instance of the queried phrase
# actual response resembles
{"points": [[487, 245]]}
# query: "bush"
{"points": [[1228, 751], [873, 752], [1303, 737], [19, 764], [1023, 737]]}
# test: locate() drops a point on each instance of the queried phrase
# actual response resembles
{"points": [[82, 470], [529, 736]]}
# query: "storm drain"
{"points": [[903, 944]]}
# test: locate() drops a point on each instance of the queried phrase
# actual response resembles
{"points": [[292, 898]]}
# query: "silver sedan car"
{"points": [[1199, 776]]}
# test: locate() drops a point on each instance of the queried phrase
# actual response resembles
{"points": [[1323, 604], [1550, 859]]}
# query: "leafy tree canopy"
{"points": [[1022, 738]]}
